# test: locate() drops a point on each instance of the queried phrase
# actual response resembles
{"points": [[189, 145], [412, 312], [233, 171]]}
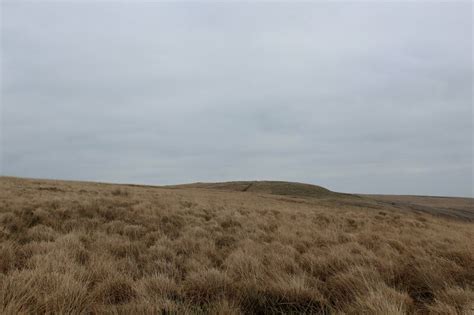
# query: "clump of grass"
{"points": [[115, 291], [120, 192]]}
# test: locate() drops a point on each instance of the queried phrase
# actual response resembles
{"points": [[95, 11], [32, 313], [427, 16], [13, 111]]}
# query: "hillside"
{"points": [[230, 248], [268, 187]]}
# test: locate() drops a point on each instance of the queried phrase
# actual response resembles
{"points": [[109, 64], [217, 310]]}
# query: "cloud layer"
{"points": [[358, 97]]}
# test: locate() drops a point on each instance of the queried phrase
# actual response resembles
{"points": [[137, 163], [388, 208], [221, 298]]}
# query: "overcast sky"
{"points": [[357, 97]]}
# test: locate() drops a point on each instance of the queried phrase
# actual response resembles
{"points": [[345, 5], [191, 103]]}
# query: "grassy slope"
{"points": [[275, 247], [268, 187]]}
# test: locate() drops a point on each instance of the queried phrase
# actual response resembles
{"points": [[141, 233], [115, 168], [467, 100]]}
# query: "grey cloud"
{"points": [[359, 97]]}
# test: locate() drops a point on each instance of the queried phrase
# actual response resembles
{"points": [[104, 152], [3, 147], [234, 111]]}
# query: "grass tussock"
{"points": [[91, 248]]}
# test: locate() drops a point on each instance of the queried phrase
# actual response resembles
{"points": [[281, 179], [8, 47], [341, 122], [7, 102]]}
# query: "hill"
{"points": [[268, 187], [230, 248]]}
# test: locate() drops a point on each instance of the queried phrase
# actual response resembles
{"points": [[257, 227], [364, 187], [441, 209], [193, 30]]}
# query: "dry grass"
{"points": [[70, 247]]}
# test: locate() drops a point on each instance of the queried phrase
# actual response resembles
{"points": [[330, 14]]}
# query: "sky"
{"points": [[366, 97]]}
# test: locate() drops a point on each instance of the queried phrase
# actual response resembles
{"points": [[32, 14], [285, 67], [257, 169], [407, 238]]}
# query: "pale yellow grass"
{"points": [[69, 247]]}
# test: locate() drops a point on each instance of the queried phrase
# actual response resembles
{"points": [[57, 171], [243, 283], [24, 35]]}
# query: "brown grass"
{"points": [[70, 247]]}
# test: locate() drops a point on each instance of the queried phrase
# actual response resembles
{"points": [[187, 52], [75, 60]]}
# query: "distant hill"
{"points": [[268, 187]]}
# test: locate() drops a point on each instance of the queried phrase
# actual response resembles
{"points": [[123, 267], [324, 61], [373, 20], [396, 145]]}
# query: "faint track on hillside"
{"points": [[248, 187]]}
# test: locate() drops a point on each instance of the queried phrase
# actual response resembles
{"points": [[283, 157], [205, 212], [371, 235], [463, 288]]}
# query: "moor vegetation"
{"points": [[235, 248]]}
